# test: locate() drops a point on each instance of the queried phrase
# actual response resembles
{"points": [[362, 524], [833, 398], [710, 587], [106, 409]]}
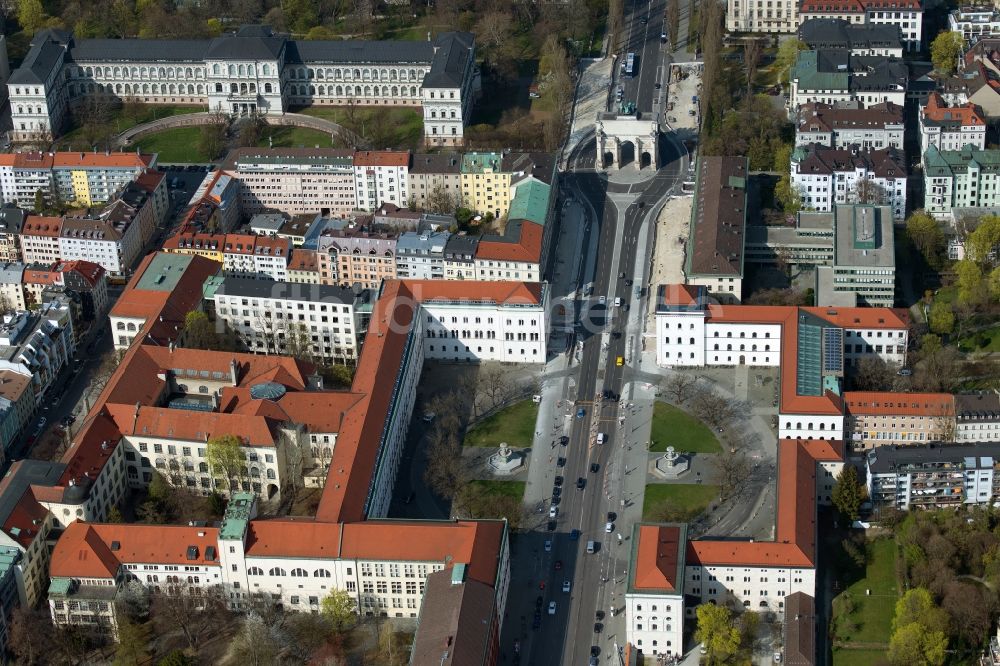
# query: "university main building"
{"points": [[249, 71]]}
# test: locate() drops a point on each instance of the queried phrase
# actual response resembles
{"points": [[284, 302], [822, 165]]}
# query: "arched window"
{"points": [[300, 573], [266, 69], [215, 69], [267, 87], [242, 70], [189, 73], [232, 70], [277, 571], [255, 571], [201, 89], [321, 573]]}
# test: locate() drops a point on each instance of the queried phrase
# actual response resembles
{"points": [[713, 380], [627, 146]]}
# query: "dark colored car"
{"points": [[561, 462], [558, 565], [612, 516], [598, 627], [581, 482], [594, 467], [574, 535], [551, 526], [559, 481], [564, 440]]}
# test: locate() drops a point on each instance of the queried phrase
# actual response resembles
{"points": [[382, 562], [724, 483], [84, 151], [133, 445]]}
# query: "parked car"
{"points": [[566, 585], [552, 608]]}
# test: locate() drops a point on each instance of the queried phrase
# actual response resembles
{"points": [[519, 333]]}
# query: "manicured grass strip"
{"points": [[687, 496], [179, 144], [514, 425], [872, 614], [675, 427], [513, 489]]}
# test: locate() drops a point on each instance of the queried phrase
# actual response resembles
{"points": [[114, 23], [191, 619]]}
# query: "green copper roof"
{"points": [[163, 272], [949, 162], [531, 202], [481, 162], [238, 515], [806, 72]]}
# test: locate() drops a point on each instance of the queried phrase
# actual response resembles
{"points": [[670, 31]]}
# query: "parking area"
{"points": [[682, 96]]}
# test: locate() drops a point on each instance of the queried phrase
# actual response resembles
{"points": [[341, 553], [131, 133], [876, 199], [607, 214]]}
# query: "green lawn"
{"points": [[514, 425], [675, 427], [296, 137], [688, 498], [179, 144], [513, 489], [406, 124], [858, 657], [123, 119], [985, 340], [872, 614]]}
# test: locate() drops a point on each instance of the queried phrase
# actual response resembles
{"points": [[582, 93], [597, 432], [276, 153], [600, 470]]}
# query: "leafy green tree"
{"points": [[39, 201], [983, 240], [716, 632], [945, 49], [927, 237], [176, 658], [320, 32], [339, 608], [973, 289], [198, 331], [787, 195], [31, 15], [115, 515], [849, 493], [226, 460], [214, 27], [132, 644], [783, 158], [942, 317], [911, 645], [300, 15], [917, 606]]}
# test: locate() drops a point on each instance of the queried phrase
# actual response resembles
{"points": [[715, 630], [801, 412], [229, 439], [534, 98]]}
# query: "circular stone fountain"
{"points": [[672, 464], [505, 461]]}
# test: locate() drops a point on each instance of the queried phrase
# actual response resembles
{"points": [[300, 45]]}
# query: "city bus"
{"points": [[630, 65]]}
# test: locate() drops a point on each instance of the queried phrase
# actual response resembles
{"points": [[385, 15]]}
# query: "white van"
{"points": [[601, 437], [591, 547]]}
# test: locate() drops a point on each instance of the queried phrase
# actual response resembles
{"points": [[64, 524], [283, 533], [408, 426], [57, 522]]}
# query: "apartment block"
{"points": [[898, 419], [977, 417], [381, 176], [354, 256], [114, 239], [907, 15], [256, 257], [975, 23], [863, 269], [858, 39], [303, 267], [829, 176], [420, 256], [950, 127], [966, 178], [84, 179], [281, 317], [434, 177], [11, 224], [717, 233], [86, 280], [933, 476], [294, 180], [17, 407], [40, 242], [749, 16], [877, 127], [38, 344], [836, 77], [460, 257]]}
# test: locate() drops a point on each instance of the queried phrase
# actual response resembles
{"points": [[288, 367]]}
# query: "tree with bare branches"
{"points": [[751, 58], [196, 615], [678, 387]]}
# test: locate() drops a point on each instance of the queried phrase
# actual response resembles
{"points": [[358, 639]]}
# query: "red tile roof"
{"points": [[96, 160], [88, 270], [938, 111], [293, 537], [389, 158], [178, 424], [795, 535], [497, 291], [33, 160], [27, 518], [876, 403], [527, 249], [856, 6], [88, 550], [42, 225], [658, 556]]}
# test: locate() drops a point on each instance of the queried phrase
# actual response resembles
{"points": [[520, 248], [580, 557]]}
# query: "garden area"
{"points": [[673, 426], [677, 502], [514, 424], [383, 127], [97, 123], [184, 145], [862, 613]]}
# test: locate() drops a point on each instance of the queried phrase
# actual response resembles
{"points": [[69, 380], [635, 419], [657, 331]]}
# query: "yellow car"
{"points": [[620, 361]]}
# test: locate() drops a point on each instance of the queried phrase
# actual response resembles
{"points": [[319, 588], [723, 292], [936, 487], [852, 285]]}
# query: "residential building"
{"points": [[27, 526], [749, 16], [267, 224], [219, 192], [877, 418], [256, 257], [976, 83], [281, 317], [9, 559], [799, 630], [717, 231], [86, 280], [38, 344], [812, 346], [975, 22], [40, 242], [435, 178], [457, 622], [247, 71], [933, 476], [654, 598], [877, 127], [153, 307], [354, 256], [11, 224], [485, 185], [209, 246], [296, 229], [977, 417], [495, 321], [420, 256], [950, 127], [303, 267], [966, 178], [460, 257], [12, 291], [293, 181], [114, 240], [83, 179], [17, 407], [859, 39], [515, 255], [907, 15], [836, 77], [829, 176], [381, 176]]}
